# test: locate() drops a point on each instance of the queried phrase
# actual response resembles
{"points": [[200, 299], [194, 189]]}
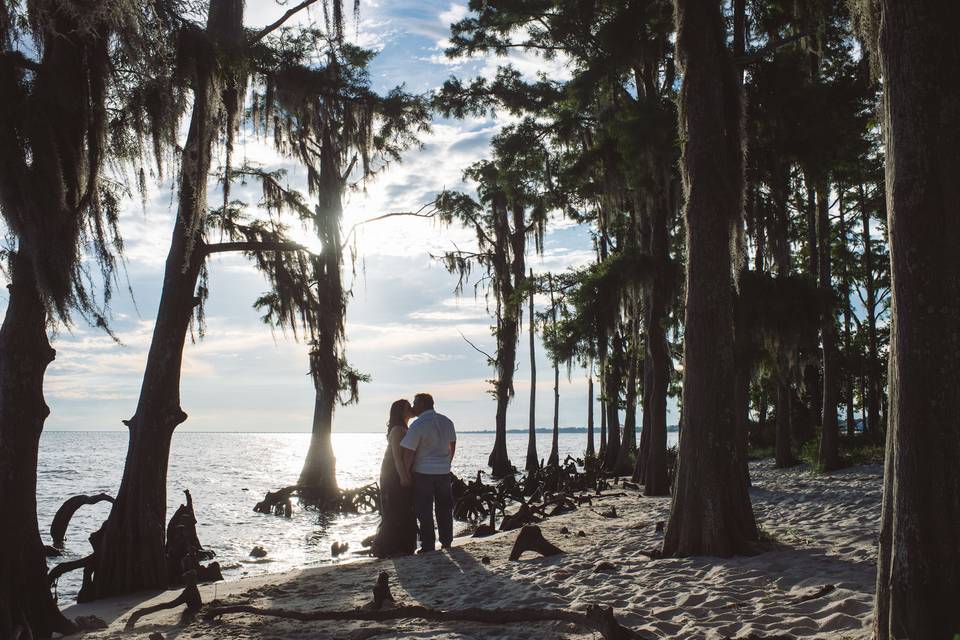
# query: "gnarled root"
{"points": [[58, 528]]}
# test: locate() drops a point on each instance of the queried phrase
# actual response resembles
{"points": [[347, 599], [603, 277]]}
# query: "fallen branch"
{"points": [[819, 593], [58, 528], [598, 618]]}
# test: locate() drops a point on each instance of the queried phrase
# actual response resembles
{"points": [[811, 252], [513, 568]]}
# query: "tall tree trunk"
{"points": [[591, 451], [643, 450], [554, 458], [783, 452], [319, 472], [499, 460], [27, 608], [657, 482], [533, 460], [812, 381], [873, 389], [917, 577], [130, 553], [655, 478], [711, 512], [628, 441], [603, 355], [830, 433], [848, 378], [510, 242], [612, 382]]}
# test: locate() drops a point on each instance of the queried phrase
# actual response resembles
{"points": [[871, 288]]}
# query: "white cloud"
{"points": [[424, 357]]}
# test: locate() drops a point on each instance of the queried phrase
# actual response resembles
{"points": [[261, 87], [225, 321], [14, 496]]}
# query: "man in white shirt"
{"points": [[428, 450]]}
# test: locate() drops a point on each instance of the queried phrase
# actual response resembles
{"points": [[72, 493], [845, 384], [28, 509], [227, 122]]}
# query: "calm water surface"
{"points": [[227, 473]]}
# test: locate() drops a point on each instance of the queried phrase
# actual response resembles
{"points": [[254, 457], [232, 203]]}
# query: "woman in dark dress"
{"points": [[397, 533]]}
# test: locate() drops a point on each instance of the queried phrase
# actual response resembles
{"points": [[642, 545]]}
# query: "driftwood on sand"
{"points": [[598, 618]]}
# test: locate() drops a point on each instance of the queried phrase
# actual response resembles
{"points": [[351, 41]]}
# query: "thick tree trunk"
{"points": [[830, 433], [26, 606], [917, 577], [319, 472], [711, 512], [130, 553], [533, 460]]}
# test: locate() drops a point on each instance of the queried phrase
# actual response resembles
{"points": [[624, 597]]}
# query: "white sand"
{"points": [[825, 528]]}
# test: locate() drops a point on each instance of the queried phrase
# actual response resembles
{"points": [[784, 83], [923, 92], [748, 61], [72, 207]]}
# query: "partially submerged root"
{"points": [[58, 528], [365, 499], [598, 618]]}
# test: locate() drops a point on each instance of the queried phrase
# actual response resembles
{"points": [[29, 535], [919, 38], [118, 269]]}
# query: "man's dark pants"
{"points": [[429, 491]]}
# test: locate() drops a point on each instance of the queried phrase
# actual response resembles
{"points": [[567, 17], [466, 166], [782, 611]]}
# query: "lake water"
{"points": [[227, 473]]}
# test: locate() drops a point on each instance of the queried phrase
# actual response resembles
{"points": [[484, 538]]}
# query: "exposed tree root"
{"points": [[67, 567], [598, 618], [358, 500], [189, 597], [531, 539], [58, 528], [381, 591]]}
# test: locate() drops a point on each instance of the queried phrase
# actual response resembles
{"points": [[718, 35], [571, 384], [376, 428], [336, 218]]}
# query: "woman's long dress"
{"points": [[397, 533]]}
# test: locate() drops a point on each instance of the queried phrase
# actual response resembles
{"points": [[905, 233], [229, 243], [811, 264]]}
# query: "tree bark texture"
{"points": [[26, 605], [710, 513], [917, 576]]}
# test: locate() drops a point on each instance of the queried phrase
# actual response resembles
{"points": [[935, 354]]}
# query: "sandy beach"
{"points": [[822, 529]]}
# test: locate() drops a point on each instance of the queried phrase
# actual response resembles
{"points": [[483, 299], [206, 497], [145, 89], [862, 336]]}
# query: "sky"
{"points": [[405, 326]]}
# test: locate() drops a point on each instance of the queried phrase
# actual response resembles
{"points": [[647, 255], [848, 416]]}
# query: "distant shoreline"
{"points": [[548, 430]]}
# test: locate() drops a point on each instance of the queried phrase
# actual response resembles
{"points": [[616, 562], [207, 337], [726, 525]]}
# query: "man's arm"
{"points": [[453, 449]]}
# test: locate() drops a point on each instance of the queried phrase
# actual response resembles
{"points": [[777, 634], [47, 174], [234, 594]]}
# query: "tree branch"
{"points": [[419, 213], [762, 52], [260, 35], [251, 246], [490, 358]]}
